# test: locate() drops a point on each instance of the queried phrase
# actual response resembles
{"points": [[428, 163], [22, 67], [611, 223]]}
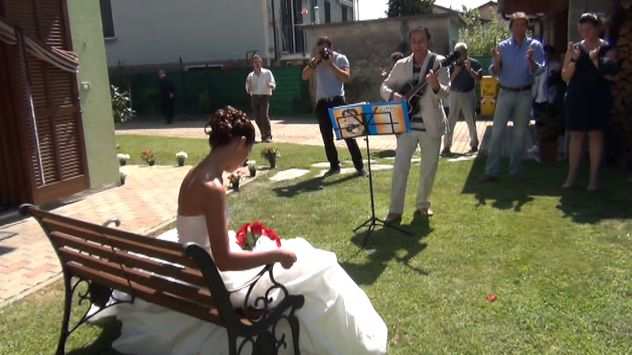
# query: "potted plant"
{"points": [[252, 168], [122, 158], [122, 176], [181, 157], [148, 157], [233, 180], [271, 154]]}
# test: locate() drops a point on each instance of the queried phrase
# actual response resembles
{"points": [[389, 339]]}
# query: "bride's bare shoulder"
{"points": [[213, 187]]}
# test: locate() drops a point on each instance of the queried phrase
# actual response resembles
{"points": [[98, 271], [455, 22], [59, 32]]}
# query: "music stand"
{"points": [[363, 120]]}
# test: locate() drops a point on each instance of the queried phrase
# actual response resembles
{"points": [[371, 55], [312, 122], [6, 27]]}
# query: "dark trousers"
{"points": [[167, 109], [261, 112], [326, 131]]}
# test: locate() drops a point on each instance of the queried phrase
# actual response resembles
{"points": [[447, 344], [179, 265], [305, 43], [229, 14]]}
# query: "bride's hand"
{"points": [[287, 258]]}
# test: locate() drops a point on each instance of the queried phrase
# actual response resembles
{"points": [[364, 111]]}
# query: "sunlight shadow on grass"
{"points": [[310, 185], [385, 244]]}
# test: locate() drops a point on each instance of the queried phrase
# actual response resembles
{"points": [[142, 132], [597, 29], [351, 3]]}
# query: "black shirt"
{"points": [[464, 82], [166, 88]]}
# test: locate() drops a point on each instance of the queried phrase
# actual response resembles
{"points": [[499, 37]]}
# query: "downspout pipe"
{"points": [[274, 32]]}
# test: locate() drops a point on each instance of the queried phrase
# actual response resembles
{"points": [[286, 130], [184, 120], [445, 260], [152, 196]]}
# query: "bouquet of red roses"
{"points": [[248, 234]]}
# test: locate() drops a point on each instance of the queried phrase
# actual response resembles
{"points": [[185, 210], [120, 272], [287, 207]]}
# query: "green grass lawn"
{"points": [[560, 264]]}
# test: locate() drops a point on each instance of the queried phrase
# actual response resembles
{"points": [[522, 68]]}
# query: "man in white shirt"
{"points": [[259, 85]]}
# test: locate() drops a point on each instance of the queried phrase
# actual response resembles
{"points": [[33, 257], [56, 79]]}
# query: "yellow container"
{"points": [[488, 106], [489, 86]]}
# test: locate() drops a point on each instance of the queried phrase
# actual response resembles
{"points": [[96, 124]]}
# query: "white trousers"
{"points": [[406, 145], [461, 102]]}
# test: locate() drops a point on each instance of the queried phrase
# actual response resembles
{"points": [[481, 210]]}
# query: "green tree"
{"points": [[481, 36], [409, 7], [121, 105]]}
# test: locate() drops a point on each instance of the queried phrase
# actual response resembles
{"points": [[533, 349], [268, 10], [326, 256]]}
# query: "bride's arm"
{"points": [[225, 258]]}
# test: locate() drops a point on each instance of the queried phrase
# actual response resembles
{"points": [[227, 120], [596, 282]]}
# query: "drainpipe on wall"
{"points": [[274, 32]]}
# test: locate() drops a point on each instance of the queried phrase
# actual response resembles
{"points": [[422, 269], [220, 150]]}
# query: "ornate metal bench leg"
{"points": [[232, 344], [295, 333], [61, 345]]}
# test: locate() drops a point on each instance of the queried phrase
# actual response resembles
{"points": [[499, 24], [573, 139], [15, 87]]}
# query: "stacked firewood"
{"points": [[622, 110]]}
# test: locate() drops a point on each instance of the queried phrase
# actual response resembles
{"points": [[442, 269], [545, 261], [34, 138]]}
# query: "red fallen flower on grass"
{"points": [[249, 233], [491, 297]]}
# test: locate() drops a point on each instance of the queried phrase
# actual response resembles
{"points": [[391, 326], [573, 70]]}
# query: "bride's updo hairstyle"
{"points": [[228, 123]]}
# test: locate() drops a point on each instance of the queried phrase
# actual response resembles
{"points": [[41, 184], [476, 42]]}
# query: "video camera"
{"points": [[325, 53]]}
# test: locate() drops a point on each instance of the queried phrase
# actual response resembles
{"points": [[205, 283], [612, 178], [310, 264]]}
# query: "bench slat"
{"points": [[187, 275], [76, 223], [139, 276], [146, 293], [175, 254]]}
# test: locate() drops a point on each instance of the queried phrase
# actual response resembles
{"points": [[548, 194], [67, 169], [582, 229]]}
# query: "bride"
{"points": [[337, 317]]}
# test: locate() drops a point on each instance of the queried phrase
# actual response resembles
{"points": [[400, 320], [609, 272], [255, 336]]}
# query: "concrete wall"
{"points": [[161, 31], [96, 107], [489, 11], [369, 44]]}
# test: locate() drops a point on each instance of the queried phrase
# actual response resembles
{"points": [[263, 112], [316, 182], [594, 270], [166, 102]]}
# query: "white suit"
{"points": [[429, 139]]}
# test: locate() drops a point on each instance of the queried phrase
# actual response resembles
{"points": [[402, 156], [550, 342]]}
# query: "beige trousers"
{"points": [[461, 102], [407, 143]]}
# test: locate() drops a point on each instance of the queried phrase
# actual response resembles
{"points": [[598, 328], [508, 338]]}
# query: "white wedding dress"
{"points": [[336, 319]]}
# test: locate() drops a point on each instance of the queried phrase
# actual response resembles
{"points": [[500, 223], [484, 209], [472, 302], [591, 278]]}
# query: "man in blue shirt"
{"points": [[332, 72], [516, 61]]}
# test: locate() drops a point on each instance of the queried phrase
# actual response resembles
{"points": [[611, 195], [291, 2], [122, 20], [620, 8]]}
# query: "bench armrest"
{"points": [[253, 280]]}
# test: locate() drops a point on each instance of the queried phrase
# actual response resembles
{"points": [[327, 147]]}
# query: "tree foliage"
{"points": [[481, 36], [409, 7], [121, 105]]}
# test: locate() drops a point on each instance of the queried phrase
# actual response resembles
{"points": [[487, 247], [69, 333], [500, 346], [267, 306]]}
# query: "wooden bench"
{"points": [[181, 278]]}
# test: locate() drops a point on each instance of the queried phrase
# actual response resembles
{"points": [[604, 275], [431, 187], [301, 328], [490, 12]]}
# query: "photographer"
{"points": [[465, 73], [331, 70]]}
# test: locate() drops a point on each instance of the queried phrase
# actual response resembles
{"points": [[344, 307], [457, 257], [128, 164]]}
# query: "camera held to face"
{"points": [[325, 53]]}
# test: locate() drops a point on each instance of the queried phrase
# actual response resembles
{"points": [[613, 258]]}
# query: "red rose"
{"points": [[272, 234], [257, 228], [242, 235]]}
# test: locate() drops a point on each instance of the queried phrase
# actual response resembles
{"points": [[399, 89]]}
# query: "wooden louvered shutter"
{"points": [[14, 179], [55, 139]]}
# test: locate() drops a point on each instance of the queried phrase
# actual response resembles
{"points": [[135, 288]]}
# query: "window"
{"points": [[347, 13], [312, 10], [107, 19], [327, 12]]}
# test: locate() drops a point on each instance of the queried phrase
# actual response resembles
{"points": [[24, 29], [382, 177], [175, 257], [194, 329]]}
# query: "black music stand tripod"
{"points": [[353, 124], [373, 222]]}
